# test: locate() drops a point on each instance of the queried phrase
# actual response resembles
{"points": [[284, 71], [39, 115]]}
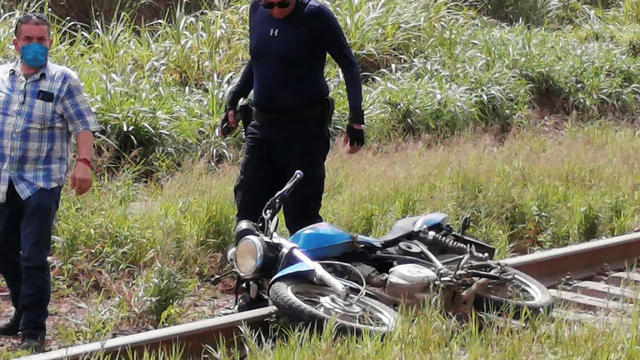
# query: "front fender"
{"points": [[299, 270]]}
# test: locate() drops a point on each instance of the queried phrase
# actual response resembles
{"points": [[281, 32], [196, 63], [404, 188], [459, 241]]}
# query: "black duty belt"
{"points": [[320, 112]]}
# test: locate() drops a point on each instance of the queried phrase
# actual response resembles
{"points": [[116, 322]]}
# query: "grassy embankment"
{"points": [[531, 127]]}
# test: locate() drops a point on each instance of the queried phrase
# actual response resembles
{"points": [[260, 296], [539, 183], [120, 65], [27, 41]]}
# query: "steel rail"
{"points": [[193, 337], [579, 261], [549, 267]]}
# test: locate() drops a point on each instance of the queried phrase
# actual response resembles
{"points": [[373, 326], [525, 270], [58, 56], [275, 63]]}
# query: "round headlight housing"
{"points": [[249, 255]]}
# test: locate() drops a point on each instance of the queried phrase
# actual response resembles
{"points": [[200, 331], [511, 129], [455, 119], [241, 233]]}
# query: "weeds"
{"points": [[162, 289], [424, 333], [430, 67], [434, 72]]}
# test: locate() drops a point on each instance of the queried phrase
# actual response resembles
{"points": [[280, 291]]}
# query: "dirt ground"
{"points": [[71, 313]]}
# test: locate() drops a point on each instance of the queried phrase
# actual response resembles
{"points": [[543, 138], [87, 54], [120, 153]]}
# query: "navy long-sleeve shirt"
{"points": [[288, 56]]}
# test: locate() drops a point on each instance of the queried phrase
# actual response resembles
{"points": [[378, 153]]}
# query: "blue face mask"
{"points": [[34, 54]]}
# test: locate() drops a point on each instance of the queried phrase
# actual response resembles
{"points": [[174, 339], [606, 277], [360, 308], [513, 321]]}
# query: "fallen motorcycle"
{"points": [[322, 272], [290, 272]]}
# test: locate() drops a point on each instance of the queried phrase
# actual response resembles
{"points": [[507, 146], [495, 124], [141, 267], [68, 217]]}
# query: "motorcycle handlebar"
{"points": [[274, 204], [291, 184]]}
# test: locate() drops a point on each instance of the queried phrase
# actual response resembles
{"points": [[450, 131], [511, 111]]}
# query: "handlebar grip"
{"points": [[291, 184], [273, 206]]}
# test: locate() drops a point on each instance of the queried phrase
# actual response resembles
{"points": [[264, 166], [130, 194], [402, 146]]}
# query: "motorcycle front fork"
{"points": [[250, 295]]}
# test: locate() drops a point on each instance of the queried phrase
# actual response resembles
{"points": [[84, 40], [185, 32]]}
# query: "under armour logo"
{"points": [[273, 32]]}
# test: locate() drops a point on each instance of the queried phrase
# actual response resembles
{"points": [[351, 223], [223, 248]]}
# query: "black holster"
{"points": [[244, 115]]}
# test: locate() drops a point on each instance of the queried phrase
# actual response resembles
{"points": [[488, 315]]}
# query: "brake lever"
{"points": [[491, 276], [218, 278]]}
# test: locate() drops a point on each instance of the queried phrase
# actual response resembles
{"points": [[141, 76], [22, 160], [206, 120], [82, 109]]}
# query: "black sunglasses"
{"points": [[279, 4]]}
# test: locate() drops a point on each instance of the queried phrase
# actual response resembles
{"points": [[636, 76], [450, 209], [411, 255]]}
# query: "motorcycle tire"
{"points": [[522, 295], [303, 301]]}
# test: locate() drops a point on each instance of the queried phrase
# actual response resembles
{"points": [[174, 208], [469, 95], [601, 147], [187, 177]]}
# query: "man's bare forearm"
{"points": [[84, 141]]}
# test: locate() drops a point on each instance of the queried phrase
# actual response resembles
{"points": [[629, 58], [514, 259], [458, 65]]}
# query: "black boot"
{"points": [[10, 328], [33, 342]]}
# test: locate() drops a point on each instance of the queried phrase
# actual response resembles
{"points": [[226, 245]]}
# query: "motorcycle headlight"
{"points": [[249, 255]]}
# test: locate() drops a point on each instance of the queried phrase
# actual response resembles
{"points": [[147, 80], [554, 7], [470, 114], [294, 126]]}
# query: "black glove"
{"points": [[225, 126], [356, 136]]}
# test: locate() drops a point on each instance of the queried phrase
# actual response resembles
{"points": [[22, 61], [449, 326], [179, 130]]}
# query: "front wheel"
{"points": [[309, 302], [516, 296]]}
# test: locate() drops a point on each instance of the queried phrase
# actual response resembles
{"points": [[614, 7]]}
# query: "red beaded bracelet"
{"points": [[85, 161]]}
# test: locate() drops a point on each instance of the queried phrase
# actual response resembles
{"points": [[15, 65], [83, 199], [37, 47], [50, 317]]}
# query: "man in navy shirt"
{"points": [[289, 42]]}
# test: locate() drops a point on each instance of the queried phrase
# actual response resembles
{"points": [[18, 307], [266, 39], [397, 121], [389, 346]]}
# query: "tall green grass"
{"points": [[430, 67], [530, 126], [532, 192], [426, 334]]}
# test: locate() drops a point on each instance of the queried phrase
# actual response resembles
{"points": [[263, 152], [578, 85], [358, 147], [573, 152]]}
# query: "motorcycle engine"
{"points": [[408, 280]]}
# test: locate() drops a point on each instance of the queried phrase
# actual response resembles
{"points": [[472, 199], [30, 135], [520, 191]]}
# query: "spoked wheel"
{"points": [[308, 302], [515, 295]]}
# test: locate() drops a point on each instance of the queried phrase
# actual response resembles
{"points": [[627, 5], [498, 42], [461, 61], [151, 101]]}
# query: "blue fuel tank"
{"points": [[322, 240]]}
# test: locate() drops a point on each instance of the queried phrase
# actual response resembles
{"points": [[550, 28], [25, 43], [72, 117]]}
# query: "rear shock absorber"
{"points": [[450, 244]]}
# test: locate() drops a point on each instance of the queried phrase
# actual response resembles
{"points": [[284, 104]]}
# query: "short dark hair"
{"points": [[34, 19]]}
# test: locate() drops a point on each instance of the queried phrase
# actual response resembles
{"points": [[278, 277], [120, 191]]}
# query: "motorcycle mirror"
{"points": [[465, 223]]}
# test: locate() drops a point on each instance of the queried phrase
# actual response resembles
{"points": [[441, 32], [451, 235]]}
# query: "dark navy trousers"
{"points": [[25, 241], [274, 151]]}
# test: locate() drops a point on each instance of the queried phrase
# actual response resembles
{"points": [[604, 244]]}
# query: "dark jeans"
{"points": [[25, 241], [275, 150]]}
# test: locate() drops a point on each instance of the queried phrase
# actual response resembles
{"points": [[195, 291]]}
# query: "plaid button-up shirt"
{"points": [[38, 117]]}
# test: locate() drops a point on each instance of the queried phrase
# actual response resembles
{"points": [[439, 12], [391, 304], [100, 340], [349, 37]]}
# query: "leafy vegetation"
{"points": [[431, 67], [523, 114]]}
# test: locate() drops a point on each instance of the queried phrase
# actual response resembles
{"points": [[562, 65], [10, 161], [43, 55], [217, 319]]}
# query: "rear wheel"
{"points": [[309, 302], [516, 296]]}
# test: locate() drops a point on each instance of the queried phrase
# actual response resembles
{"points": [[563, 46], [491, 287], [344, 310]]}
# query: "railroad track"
{"points": [[587, 275], [194, 337]]}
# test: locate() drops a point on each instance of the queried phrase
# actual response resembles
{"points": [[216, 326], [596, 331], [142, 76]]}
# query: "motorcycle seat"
{"points": [[400, 230]]}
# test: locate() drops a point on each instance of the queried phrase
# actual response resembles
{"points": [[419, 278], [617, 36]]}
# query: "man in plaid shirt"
{"points": [[42, 106]]}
